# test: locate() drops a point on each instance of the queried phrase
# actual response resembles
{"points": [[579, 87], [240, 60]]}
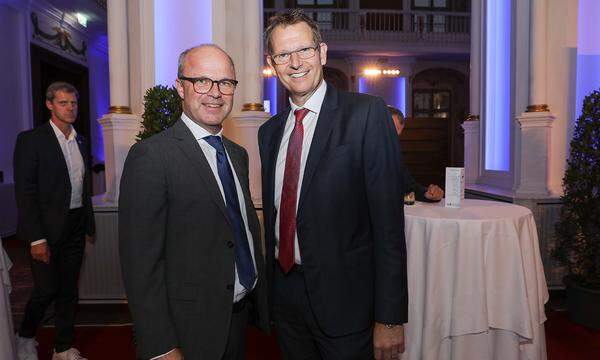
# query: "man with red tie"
{"points": [[332, 200]]}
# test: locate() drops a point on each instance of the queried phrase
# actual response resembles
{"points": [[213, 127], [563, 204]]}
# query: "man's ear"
{"points": [[49, 105], [323, 53], [179, 87], [270, 62]]}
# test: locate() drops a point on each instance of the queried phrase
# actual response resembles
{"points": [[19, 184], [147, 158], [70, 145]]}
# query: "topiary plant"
{"points": [[162, 108], [578, 230]]}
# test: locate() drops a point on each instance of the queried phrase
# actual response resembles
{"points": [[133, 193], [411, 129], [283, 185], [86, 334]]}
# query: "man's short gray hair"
{"points": [[60, 86], [182, 56]]}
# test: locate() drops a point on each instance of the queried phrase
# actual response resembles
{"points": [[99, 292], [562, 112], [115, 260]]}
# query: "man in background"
{"points": [[53, 191], [192, 261], [432, 193]]}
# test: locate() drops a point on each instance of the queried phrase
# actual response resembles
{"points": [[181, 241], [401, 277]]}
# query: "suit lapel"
{"points": [[327, 117], [189, 145], [274, 138], [56, 148]]}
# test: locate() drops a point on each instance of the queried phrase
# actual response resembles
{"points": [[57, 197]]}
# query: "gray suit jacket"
{"points": [[176, 246]]}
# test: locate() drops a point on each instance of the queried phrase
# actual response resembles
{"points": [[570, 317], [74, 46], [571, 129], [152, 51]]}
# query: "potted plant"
{"points": [[162, 108], [578, 230]]}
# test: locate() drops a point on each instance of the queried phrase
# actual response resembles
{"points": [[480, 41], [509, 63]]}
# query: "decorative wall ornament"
{"points": [[62, 38]]}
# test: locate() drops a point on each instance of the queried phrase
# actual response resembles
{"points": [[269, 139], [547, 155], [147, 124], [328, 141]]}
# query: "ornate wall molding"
{"points": [[61, 37]]}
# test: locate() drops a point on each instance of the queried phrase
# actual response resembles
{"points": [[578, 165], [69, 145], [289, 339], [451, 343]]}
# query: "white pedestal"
{"points": [[243, 129], [119, 132], [471, 129], [535, 130]]}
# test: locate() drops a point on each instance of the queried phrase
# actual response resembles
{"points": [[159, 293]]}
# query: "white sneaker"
{"points": [[26, 348], [71, 354]]}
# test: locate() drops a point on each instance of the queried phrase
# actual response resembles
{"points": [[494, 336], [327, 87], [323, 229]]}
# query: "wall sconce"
{"points": [[81, 19], [373, 72]]}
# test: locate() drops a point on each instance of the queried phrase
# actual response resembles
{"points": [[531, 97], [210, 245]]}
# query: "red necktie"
{"points": [[289, 194]]}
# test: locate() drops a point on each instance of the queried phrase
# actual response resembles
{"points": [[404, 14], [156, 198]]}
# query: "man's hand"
{"points": [[41, 252], [388, 343], [89, 238], [173, 355], [434, 192]]}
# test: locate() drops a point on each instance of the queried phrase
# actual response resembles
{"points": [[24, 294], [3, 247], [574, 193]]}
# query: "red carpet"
{"points": [[565, 341], [115, 343], [568, 341]]}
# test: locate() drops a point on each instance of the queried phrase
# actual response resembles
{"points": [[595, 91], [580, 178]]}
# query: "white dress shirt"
{"points": [[313, 104], [211, 156], [75, 167]]}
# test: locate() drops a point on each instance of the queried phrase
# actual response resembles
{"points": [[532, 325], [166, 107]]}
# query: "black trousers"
{"points": [[57, 281], [298, 331]]}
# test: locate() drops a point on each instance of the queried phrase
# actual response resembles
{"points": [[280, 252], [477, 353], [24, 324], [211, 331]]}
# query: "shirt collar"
{"points": [[59, 134], [198, 131], [315, 101]]}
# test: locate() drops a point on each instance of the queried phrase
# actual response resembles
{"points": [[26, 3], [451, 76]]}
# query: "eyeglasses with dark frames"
{"points": [[304, 53], [203, 85]]}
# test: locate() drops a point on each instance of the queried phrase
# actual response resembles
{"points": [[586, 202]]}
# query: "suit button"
{"points": [[230, 287], [229, 244]]}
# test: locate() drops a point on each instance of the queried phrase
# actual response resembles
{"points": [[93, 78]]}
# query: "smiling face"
{"points": [[301, 77], [207, 110]]}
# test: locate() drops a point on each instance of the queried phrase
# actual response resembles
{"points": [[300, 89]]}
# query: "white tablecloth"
{"points": [[7, 335], [476, 283]]}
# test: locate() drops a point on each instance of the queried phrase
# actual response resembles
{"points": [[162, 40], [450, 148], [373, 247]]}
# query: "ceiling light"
{"points": [[81, 19]]}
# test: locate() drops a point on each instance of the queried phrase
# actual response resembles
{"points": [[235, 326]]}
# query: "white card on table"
{"points": [[455, 186]]}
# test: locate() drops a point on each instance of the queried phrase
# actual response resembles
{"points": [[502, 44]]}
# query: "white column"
{"points": [[253, 55], [242, 126], [538, 56], [471, 125], [471, 129], [535, 154], [119, 126], [118, 62], [535, 124], [119, 132], [243, 130]]}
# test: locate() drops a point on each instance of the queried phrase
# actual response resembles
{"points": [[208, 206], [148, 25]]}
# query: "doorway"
{"points": [[48, 67]]}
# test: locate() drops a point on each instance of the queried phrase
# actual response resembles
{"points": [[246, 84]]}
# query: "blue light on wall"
{"points": [[391, 89], [497, 85], [177, 28], [588, 52], [270, 93]]}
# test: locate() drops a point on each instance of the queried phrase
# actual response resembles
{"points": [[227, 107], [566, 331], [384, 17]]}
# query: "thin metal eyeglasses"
{"points": [[304, 53], [203, 85]]}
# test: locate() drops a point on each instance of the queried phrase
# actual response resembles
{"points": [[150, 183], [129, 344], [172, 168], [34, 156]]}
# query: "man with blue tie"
{"points": [[192, 262]]}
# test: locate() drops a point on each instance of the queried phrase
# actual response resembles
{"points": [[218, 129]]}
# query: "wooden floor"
{"points": [[104, 331]]}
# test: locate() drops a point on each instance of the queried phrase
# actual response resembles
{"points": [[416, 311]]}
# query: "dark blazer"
{"points": [[176, 246], [411, 185], [350, 219], [43, 186]]}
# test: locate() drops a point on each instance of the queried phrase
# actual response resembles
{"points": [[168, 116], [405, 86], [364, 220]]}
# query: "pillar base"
{"points": [[119, 132], [535, 130], [242, 128]]}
